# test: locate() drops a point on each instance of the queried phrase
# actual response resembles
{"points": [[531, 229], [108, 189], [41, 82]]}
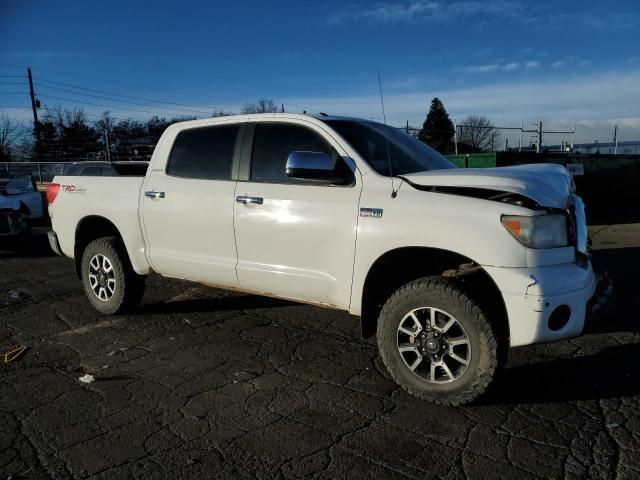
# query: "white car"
{"points": [[20, 203], [448, 266]]}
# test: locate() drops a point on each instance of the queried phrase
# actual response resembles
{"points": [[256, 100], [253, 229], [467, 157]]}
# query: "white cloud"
{"points": [[481, 68], [511, 66], [558, 64], [422, 10], [393, 13], [596, 99], [532, 64]]}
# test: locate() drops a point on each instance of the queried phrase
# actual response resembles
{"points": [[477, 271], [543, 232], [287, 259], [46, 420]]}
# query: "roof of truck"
{"points": [[262, 116]]}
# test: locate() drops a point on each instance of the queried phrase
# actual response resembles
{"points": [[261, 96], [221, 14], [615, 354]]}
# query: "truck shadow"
{"points": [[227, 303], [35, 245], [611, 373], [622, 266], [612, 216]]}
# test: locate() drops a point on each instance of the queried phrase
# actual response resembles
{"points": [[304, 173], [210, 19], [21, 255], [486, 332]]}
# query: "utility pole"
{"points": [[33, 99], [615, 140], [539, 137], [520, 144], [455, 137], [539, 131]]}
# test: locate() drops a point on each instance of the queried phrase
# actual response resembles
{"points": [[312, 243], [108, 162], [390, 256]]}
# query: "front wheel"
{"points": [[436, 342], [109, 281]]}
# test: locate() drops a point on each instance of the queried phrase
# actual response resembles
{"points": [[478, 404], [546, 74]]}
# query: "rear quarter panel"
{"points": [[113, 198]]}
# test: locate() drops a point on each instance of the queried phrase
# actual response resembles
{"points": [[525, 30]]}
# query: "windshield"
{"points": [[389, 151]]}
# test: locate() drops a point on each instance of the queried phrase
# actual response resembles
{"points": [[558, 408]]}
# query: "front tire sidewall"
{"points": [[444, 296]]}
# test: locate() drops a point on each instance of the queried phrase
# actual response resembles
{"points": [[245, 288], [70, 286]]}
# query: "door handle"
{"points": [[247, 199], [152, 194]]}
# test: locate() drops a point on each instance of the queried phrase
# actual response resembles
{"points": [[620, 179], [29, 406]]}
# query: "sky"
{"points": [[517, 62]]}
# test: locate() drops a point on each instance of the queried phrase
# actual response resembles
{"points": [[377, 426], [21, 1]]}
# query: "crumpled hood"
{"points": [[548, 184], [8, 202]]}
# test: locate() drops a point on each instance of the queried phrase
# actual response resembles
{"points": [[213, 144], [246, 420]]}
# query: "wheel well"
{"points": [[89, 229], [401, 266]]}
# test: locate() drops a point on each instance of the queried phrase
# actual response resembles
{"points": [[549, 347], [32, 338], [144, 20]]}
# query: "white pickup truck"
{"points": [[448, 266]]}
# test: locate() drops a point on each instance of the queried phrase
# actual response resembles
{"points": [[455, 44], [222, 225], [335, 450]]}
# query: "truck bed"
{"points": [[113, 198]]}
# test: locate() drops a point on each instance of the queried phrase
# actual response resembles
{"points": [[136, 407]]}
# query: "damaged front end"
{"points": [[14, 221]]}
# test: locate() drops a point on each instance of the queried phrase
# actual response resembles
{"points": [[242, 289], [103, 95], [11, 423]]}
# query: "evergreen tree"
{"points": [[437, 130]]}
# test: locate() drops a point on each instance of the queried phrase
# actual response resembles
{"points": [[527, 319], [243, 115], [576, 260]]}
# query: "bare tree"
{"points": [[479, 132], [220, 113], [264, 105], [11, 133]]}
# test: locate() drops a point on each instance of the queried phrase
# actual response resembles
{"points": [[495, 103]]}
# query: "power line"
{"points": [[110, 81], [116, 100], [127, 96], [116, 107]]}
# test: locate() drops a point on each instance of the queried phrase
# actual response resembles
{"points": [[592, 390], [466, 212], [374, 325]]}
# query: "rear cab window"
{"points": [[204, 152]]}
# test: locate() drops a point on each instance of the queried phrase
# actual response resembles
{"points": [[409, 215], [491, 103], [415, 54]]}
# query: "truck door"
{"points": [[295, 238], [187, 206]]}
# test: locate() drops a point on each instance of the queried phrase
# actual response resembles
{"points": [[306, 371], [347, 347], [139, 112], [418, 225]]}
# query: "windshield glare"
{"points": [[387, 150]]}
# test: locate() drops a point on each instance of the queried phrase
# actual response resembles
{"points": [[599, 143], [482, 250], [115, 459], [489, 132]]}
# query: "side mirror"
{"points": [[316, 166]]}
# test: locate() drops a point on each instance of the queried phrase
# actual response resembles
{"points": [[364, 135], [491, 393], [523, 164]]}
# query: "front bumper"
{"points": [[536, 298]]}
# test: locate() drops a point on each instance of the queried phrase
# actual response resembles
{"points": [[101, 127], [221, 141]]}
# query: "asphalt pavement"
{"points": [[201, 383]]}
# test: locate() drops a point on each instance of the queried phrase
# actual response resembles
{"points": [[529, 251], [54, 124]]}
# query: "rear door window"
{"points": [[204, 152]]}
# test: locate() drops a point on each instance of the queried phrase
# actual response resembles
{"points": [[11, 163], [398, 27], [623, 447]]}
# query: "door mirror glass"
{"points": [[316, 166], [20, 184]]}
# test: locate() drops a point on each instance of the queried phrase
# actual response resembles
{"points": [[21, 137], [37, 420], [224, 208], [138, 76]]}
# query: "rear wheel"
{"points": [[436, 342], [111, 284]]}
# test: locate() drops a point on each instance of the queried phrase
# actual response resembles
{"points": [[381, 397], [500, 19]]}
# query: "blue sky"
{"points": [[562, 62]]}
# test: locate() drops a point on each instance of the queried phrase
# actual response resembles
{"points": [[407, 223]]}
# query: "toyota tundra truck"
{"points": [[447, 267]]}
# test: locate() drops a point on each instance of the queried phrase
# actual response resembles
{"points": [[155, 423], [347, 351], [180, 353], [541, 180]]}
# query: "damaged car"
{"points": [[20, 204]]}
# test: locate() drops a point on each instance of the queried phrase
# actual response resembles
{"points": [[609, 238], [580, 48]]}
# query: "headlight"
{"points": [[537, 231]]}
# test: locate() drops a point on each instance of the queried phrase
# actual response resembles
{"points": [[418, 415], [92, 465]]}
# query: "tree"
{"points": [[125, 134], [479, 132], [220, 113], [437, 130], [65, 134], [11, 133], [263, 105], [156, 125], [104, 129]]}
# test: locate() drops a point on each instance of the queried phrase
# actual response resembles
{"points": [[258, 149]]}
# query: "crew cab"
{"points": [[448, 267]]}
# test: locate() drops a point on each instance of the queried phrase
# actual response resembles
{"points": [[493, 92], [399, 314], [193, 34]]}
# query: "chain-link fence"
{"points": [[43, 172]]}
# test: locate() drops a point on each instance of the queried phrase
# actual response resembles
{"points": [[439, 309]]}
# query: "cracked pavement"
{"points": [[205, 383]]}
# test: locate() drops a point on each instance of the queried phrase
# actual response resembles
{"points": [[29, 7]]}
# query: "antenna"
{"points": [[384, 117]]}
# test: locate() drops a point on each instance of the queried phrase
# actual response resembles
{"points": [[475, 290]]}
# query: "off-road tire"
{"points": [[445, 294], [129, 287]]}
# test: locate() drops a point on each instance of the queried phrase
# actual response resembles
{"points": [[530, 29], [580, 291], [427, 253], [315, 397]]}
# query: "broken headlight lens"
{"points": [[538, 231]]}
